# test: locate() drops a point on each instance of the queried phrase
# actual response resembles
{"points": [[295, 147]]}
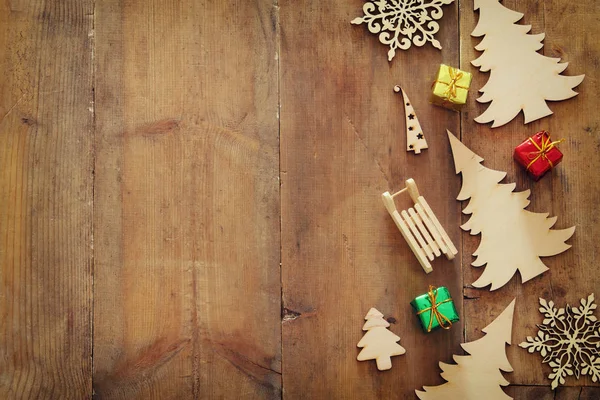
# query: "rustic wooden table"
{"points": [[190, 198]]}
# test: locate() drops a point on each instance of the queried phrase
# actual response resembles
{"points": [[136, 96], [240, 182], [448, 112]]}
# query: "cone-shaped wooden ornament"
{"points": [[415, 140]]}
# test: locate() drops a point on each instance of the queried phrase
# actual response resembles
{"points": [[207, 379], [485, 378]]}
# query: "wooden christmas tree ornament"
{"points": [[415, 141], [512, 238], [378, 343], [402, 23], [477, 376], [420, 227], [520, 77]]}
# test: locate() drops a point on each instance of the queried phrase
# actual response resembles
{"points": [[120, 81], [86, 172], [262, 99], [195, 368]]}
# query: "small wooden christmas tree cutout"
{"points": [[415, 141], [477, 376], [378, 343], [520, 78], [512, 238], [421, 229]]}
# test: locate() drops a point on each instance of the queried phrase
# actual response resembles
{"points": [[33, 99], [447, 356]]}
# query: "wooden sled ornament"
{"points": [[415, 141], [420, 227]]}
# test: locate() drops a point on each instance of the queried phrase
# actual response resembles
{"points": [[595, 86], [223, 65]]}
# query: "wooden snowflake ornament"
{"points": [[477, 376], [378, 343], [520, 77], [401, 23], [569, 340], [415, 140], [512, 238]]}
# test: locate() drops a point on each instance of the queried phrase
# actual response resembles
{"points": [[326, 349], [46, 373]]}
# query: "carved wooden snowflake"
{"points": [[569, 339], [401, 23]]}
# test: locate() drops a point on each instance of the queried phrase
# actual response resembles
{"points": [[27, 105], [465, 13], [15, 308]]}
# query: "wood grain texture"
{"points": [[187, 284], [149, 192], [545, 393], [342, 146], [46, 184]]}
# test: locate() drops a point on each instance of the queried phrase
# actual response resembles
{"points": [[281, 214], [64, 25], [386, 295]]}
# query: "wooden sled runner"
{"points": [[420, 227]]}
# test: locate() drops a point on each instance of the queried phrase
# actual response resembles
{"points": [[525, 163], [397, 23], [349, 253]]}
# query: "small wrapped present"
{"points": [[538, 154], [435, 309], [450, 88]]}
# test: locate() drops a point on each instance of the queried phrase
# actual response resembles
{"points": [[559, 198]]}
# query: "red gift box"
{"points": [[538, 154]]}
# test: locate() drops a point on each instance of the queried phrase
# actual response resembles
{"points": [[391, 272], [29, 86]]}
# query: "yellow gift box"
{"points": [[450, 88]]}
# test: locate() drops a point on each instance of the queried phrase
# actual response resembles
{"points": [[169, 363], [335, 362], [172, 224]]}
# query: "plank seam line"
{"points": [[548, 385], [93, 254], [281, 301], [461, 242], [543, 51]]}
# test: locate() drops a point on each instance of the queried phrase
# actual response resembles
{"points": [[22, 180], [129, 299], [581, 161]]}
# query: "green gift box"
{"points": [[435, 309], [450, 88]]}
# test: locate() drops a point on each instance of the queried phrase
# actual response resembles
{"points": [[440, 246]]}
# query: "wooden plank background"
{"points": [[46, 199], [190, 198]]}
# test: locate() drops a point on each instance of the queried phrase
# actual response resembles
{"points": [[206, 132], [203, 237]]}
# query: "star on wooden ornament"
{"points": [[415, 141]]}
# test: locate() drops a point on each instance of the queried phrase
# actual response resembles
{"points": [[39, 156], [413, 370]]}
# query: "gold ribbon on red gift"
{"points": [[544, 147], [435, 313], [450, 92]]}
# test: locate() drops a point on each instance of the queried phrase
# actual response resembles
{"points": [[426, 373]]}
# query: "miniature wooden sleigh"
{"points": [[420, 227]]}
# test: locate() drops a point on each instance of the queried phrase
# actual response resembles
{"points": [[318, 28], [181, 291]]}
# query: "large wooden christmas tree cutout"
{"points": [[477, 376], [512, 238], [378, 343], [520, 77]]}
